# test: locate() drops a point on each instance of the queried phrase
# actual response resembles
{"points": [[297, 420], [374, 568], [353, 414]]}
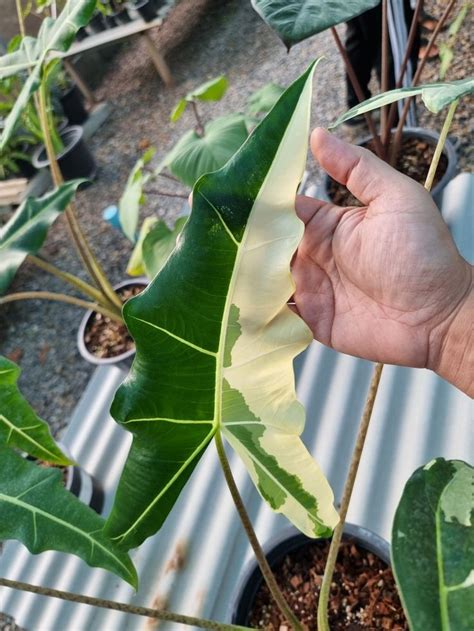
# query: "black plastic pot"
{"points": [[97, 23], [110, 21], [431, 137], [125, 359], [26, 168], [287, 542], [72, 103], [81, 34], [147, 9], [122, 16], [75, 161]]}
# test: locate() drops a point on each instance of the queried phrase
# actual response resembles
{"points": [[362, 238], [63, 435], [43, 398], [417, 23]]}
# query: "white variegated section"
{"points": [[271, 334]]}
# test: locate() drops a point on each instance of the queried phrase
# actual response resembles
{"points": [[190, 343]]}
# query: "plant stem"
{"points": [[359, 93], [160, 614], [168, 177], [384, 67], [199, 124], [91, 264], [75, 281], [403, 67], [440, 145], [71, 300], [252, 537], [19, 13], [155, 191], [399, 131], [346, 498]]}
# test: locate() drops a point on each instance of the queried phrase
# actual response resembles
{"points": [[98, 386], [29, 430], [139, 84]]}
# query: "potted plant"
{"points": [[401, 146], [219, 305], [23, 235], [146, 8]]}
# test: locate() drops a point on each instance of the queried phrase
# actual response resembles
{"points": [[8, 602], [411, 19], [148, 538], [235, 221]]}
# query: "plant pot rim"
{"points": [[74, 132], [86, 354], [289, 540], [427, 134]]}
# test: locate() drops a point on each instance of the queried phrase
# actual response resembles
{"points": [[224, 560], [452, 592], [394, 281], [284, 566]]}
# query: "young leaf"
{"points": [[194, 155], [433, 547], [216, 340], [26, 230], [36, 509], [212, 90], [136, 266], [435, 96], [264, 99], [178, 110], [132, 196], [54, 35], [158, 245], [296, 20], [19, 425]]}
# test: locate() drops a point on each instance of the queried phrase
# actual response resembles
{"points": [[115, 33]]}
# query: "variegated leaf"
{"points": [[216, 340]]}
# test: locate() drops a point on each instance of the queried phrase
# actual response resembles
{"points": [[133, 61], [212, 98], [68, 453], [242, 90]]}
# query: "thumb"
{"points": [[365, 175]]}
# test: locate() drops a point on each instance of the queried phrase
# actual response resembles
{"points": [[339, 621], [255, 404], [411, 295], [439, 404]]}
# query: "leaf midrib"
{"points": [[22, 433]]}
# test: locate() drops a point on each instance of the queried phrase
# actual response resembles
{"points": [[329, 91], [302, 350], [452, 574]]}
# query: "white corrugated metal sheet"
{"points": [[194, 563]]}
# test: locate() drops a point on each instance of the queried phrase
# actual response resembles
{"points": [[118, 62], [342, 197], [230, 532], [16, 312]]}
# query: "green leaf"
{"points": [[212, 90], [136, 266], [264, 99], [132, 196], [296, 20], [178, 110], [433, 547], [216, 340], [194, 155], [19, 425], [36, 509], [158, 245], [54, 35], [26, 230], [435, 96]]}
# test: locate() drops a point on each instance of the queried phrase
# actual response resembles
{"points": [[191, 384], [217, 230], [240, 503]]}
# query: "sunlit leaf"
{"points": [[264, 99], [216, 341], [136, 266], [158, 245], [132, 196]]}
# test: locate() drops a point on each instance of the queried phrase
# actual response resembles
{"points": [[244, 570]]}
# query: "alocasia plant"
{"points": [[216, 341], [433, 547]]}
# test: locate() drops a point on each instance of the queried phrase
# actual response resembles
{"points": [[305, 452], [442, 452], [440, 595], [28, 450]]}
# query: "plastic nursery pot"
{"points": [[97, 23], [75, 161], [110, 21], [81, 34], [147, 9], [72, 103], [123, 360], [122, 16], [290, 541], [430, 137]]}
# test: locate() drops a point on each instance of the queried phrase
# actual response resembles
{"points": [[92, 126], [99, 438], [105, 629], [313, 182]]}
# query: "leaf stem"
{"points": [[359, 93], [160, 614], [75, 281], [21, 22], [154, 191], [252, 537], [384, 67], [440, 145], [71, 300], [323, 624], [199, 124]]}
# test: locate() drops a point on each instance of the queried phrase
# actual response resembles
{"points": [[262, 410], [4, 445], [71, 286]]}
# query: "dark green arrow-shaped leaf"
{"points": [[433, 547], [36, 509], [27, 229], [216, 341], [19, 425], [296, 20]]}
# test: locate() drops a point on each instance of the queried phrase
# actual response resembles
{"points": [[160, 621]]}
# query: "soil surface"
{"points": [[413, 160], [363, 593], [105, 337]]}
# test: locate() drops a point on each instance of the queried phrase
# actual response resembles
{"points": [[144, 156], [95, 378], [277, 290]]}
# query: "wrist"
{"points": [[452, 343]]}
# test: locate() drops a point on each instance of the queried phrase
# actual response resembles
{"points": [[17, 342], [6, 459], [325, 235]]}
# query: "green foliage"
{"points": [[158, 245], [264, 99], [26, 230], [446, 49], [36, 509], [212, 90], [136, 266], [433, 547], [20, 427], [193, 155], [132, 196], [54, 35], [216, 341], [435, 96], [296, 20]]}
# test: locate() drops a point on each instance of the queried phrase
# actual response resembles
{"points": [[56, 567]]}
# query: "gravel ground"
{"points": [[229, 39]]}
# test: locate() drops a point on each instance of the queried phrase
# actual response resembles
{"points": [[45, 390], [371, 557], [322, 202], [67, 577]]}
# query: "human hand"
{"points": [[384, 282]]}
